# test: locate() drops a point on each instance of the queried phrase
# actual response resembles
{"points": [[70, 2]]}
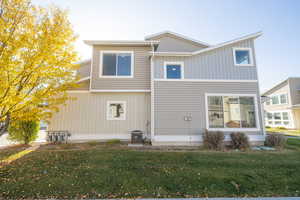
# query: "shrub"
{"points": [[93, 143], [267, 126], [23, 131], [213, 139], [275, 140], [282, 128], [113, 141], [239, 141]]}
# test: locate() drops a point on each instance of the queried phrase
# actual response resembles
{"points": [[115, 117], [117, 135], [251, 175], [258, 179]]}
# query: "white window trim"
{"points": [[232, 129], [174, 63], [290, 120], [116, 76], [279, 99], [243, 49], [113, 102]]}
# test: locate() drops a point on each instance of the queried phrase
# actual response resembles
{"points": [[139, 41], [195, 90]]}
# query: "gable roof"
{"points": [[251, 36], [176, 35], [280, 84]]}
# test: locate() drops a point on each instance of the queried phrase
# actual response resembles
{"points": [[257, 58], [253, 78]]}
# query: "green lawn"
{"points": [[99, 171], [285, 131]]}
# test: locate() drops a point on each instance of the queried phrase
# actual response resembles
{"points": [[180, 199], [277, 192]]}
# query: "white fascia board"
{"points": [[121, 42], [83, 79], [254, 35], [177, 35], [211, 48]]}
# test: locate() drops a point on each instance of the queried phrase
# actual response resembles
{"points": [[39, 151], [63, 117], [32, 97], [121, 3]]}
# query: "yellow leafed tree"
{"points": [[36, 60]]}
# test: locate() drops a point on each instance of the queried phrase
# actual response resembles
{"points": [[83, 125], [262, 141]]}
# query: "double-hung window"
{"points": [[116, 64], [231, 112], [242, 56], [174, 70], [277, 99]]}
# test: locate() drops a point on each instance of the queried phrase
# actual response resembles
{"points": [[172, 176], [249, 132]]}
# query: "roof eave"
{"points": [[121, 42], [178, 35], [247, 37]]}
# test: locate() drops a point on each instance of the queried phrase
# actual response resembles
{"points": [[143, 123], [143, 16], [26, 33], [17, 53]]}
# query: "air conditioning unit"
{"points": [[137, 137], [58, 136]]}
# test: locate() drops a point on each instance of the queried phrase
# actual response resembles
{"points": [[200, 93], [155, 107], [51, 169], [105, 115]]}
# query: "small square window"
{"points": [[174, 70], [242, 57], [116, 110]]}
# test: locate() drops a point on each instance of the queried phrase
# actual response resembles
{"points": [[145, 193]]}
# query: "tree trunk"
{"points": [[4, 125]]}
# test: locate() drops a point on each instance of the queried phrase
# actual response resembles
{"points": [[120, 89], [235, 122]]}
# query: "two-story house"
{"points": [[282, 105], [169, 86]]}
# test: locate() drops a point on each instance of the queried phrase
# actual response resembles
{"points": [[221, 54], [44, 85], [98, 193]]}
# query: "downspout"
{"points": [[152, 94]]}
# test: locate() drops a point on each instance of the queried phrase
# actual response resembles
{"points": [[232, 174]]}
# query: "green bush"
{"points": [[23, 131], [275, 140], [93, 143], [213, 140], [268, 126], [113, 141], [239, 141], [282, 128]]}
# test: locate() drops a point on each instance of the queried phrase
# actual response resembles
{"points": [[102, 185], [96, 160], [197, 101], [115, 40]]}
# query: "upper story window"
{"points": [[174, 70], [116, 64], [242, 56], [280, 99]]}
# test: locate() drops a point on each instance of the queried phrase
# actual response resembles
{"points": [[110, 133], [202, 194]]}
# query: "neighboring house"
{"points": [[169, 86], [282, 105]]}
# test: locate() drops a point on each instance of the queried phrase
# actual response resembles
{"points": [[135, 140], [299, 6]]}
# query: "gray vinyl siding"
{"points": [[141, 79], [294, 84], [216, 64], [84, 69], [85, 114], [175, 99], [171, 44]]}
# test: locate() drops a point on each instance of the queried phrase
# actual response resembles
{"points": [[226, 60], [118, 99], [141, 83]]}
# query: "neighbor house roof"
{"points": [[247, 37], [176, 35], [279, 85], [121, 42]]}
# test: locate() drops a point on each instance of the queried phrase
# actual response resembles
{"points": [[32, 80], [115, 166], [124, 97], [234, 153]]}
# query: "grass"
{"points": [[105, 171], [8, 151], [285, 131]]}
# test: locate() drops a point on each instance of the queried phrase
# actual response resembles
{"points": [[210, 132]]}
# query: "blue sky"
{"points": [[211, 21]]}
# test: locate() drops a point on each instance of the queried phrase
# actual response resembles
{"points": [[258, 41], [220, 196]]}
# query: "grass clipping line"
{"points": [[16, 156]]}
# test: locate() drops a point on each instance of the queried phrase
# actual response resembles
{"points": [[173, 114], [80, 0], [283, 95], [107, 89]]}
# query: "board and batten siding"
{"points": [[294, 84], [173, 100], [141, 78], [85, 116], [171, 44], [215, 64]]}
